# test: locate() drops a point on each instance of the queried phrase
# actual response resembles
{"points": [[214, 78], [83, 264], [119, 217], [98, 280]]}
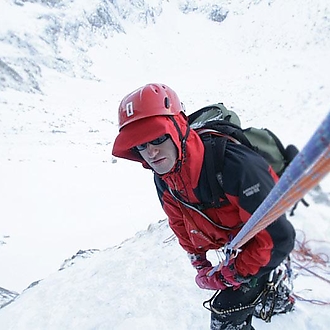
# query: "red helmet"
{"points": [[148, 101]]}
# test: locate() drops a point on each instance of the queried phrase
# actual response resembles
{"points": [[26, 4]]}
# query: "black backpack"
{"points": [[216, 120], [215, 124]]}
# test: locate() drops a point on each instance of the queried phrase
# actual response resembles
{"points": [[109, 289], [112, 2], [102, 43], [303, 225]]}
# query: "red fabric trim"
{"points": [[145, 130]]}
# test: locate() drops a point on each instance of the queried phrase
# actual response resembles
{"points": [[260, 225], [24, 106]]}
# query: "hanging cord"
{"points": [[169, 239], [312, 301], [189, 206], [311, 272], [303, 254]]}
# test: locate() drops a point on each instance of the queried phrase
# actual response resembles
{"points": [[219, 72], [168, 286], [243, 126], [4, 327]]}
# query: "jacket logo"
{"points": [[129, 109], [252, 190]]}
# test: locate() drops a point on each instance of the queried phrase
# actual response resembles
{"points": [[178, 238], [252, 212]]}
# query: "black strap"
{"points": [[215, 156], [295, 206]]}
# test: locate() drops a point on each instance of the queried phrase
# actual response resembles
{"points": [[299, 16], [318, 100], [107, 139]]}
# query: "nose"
{"points": [[152, 150]]}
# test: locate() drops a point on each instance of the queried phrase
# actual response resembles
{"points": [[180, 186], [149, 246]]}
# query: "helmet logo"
{"points": [[129, 109]]}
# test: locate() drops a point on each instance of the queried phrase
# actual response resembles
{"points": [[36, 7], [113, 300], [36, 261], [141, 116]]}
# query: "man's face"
{"points": [[161, 157]]}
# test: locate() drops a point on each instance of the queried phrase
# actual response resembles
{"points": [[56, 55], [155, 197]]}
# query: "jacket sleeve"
{"points": [[247, 180]]}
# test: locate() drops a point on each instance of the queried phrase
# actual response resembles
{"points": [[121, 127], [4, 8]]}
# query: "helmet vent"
{"points": [[167, 102]]}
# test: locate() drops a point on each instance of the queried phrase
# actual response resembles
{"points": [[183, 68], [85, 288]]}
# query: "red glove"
{"points": [[203, 267], [212, 282], [199, 260], [231, 277], [220, 280]]}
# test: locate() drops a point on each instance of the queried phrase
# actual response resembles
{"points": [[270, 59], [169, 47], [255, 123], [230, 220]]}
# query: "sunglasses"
{"points": [[155, 142]]}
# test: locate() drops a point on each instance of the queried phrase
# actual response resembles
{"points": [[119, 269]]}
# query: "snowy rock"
{"points": [[6, 297], [79, 255]]}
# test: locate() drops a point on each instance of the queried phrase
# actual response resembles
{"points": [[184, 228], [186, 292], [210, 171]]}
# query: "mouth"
{"points": [[158, 161]]}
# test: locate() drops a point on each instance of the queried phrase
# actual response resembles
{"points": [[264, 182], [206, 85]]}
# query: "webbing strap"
{"points": [[215, 155]]}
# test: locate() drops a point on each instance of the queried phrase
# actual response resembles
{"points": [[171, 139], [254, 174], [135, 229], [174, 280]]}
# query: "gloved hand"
{"points": [[220, 280], [231, 277], [209, 282], [199, 260]]}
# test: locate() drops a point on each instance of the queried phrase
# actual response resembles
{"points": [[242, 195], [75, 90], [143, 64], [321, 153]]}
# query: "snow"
{"points": [[61, 189]]}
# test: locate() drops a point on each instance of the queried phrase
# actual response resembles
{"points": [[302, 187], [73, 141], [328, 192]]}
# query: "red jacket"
{"points": [[247, 179]]}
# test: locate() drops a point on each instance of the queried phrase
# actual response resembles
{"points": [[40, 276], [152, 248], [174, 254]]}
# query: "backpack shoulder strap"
{"points": [[211, 194], [215, 148]]}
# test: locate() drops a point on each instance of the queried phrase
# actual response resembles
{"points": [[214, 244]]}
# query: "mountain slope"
{"points": [[63, 71], [144, 283]]}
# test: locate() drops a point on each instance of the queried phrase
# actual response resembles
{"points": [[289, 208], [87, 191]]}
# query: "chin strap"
{"points": [[183, 139]]}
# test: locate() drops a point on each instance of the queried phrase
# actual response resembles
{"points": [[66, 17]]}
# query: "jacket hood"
{"points": [[148, 129]]}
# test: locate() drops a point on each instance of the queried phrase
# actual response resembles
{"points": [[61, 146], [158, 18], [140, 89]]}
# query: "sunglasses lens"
{"points": [[159, 140], [155, 142], [141, 147]]}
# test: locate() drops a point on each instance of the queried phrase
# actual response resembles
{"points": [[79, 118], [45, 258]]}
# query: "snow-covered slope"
{"points": [[63, 70], [144, 283]]}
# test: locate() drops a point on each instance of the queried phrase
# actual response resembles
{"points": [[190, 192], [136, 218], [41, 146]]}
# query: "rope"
{"points": [[306, 170], [311, 272], [312, 301], [169, 239], [304, 254]]}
